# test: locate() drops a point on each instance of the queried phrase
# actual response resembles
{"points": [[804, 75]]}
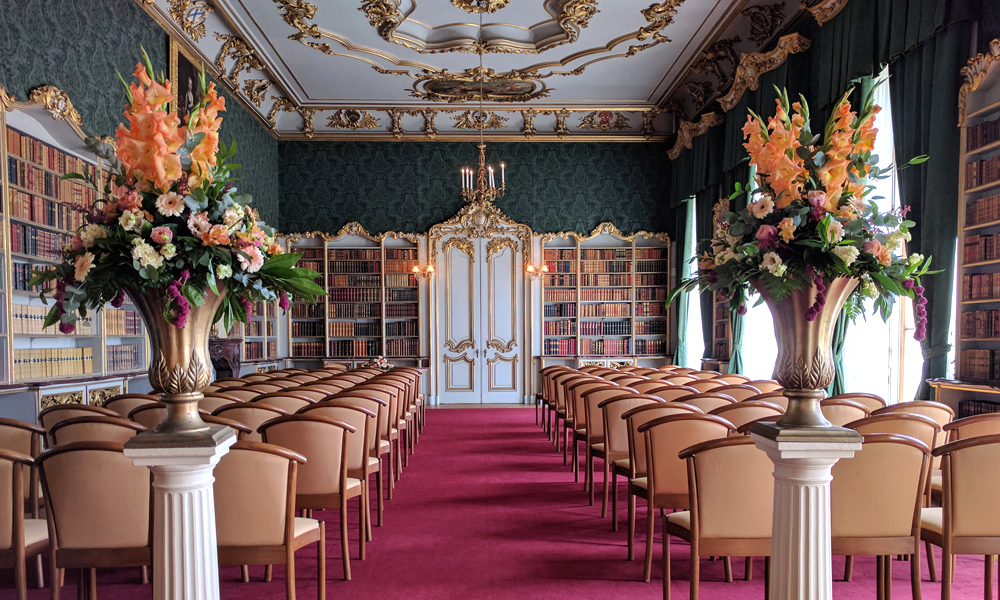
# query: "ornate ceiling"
{"points": [[573, 70]]}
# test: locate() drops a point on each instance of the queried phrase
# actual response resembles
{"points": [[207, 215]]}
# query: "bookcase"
{"points": [[721, 335], [978, 326], [603, 298], [373, 302], [260, 334]]}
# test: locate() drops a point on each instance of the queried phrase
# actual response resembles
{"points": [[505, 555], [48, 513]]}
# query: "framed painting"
{"points": [[184, 75]]}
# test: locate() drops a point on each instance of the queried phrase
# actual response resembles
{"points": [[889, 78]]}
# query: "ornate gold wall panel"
{"points": [[100, 396]]}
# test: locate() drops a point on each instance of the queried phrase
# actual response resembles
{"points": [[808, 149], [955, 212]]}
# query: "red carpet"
{"points": [[486, 510]]}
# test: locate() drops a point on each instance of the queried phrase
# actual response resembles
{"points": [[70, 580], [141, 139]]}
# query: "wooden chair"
{"points": [[842, 412], [542, 397], [255, 518], [666, 483], [765, 385], [243, 394], [738, 391], [643, 371], [941, 413], [625, 379], [704, 374], [872, 402], [616, 444], [420, 401], [330, 386], [242, 431], [251, 415], [352, 377], [95, 429], [679, 379], [594, 434], [731, 500], [60, 412], [875, 501], [124, 403], [150, 415], [974, 426], [707, 402], [380, 446], [673, 392], [24, 438], [322, 481], [303, 378], [651, 386], [575, 423], [776, 397], [549, 394], [389, 434], [253, 378], [561, 400], [97, 509], [287, 401], [228, 382], [587, 369], [408, 402], [660, 375], [732, 379], [316, 394], [400, 427], [20, 538], [706, 385], [742, 413], [213, 400], [282, 383]]}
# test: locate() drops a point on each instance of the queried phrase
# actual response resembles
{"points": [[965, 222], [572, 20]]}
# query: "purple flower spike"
{"points": [[118, 300], [283, 301], [67, 328], [908, 284]]}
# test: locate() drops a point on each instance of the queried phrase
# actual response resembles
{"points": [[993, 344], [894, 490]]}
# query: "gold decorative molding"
{"points": [[430, 130], [460, 346], [463, 244], [720, 50], [480, 6], [255, 90], [492, 362], [396, 116], [100, 396], [57, 102], [190, 16], [561, 115], [700, 92], [659, 17], [604, 120], [764, 19], [295, 13], [65, 398], [442, 85], [528, 130], [647, 123], [974, 72], [352, 228], [282, 104], [352, 119], [243, 56], [617, 364], [472, 119], [687, 131], [824, 10], [605, 228], [497, 244], [754, 64], [481, 219]]}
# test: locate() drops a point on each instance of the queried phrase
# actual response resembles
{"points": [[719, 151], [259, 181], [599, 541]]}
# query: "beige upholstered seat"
{"points": [[730, 498], [941, 413], [625, 380], [966, 522], [666, 483], [60, 412], [352, 377], [255, 518], [97, 508], [707, 402], [706, 385], [732, 379], [872, 402], [738, 391], [285, 400], [243, 394], [282, 383], [322, 481], [316, 394], [24, 438], [330, 386], [650, 386], [679, 379], [673, 392], [20, 538], [95, 429], [594, 433], [660, 375], [616, 446], [765, 385], [124, 403], [212, 401], [842, 412], [303, 378], [742, 413], [974, 426], [575, 423], [875, 501], [251, 415]]}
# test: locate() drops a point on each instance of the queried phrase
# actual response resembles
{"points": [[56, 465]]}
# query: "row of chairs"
{"points": [[311, 440], [703, 466]]}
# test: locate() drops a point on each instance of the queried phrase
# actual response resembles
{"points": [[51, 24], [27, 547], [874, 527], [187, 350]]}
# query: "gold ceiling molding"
{"points": [[604, 228], [529, 115], [450, 86], [295, 13], [659, 17], [561, 116], [396, 115], [824, 10], [974, 72], [480, 6], [243, 56], [647, 123], [700, 92], [687, 131], [353, 228], [472, 119], [352, 119], [764, 19], [190, 16], [604, 120], [720, 50], [429, 128], [57, 102], [255, 90], [282, 104], [754, 64]]}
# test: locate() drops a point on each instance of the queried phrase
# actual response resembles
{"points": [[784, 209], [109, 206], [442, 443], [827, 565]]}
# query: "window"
{"points": [[692, 342]]}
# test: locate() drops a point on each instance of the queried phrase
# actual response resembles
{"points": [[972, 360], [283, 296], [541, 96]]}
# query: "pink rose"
{"points": [[871, 247], [817, 198], [131, 200], [162, 235], [767, 235], [77, 243]]}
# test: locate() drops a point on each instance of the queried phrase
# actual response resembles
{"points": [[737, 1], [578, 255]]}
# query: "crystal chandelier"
{"points": [[479, 185]]}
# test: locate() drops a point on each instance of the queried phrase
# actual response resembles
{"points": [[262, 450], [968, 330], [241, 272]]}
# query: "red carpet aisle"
{"points": [[487, 511]]}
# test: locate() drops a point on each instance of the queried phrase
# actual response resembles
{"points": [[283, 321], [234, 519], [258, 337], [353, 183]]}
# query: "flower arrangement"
{"points": [[379, 362], [812, 217], [170, 219]]}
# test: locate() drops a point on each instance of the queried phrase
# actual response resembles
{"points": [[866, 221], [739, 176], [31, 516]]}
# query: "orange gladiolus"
{"points": [[207, 121]]}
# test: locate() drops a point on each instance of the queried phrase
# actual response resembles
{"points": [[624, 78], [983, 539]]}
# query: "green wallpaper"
{"points": [[76, 45], [409, 186]]}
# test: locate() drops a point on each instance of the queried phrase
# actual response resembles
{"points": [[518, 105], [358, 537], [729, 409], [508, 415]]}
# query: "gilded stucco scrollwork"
{"points": [[352, 119], [754, 64], [647, 123], [243, 56], [687, 131], [352, 228], [57, 103], [464, 245], [974, 72], [561, 129], [659, 17], [100, 396], [255, 90], [472, 119], [700, 92], [764, 20], [824, 10], [498, 245], [65, 398], [190, 16], [604, 120], [604, 228]]}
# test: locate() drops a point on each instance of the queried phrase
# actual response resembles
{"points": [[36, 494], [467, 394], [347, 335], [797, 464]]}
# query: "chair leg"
{"points": [[290, 577], [362, 530], [565, 453], [647, 570], [631, 523], [666, 564], [345, 549], [588, 477], [887, 576], [576, 459], [55, 576], [946, 571], [245, 573], [321, 562], [20, 577], [931, 566], [879, 578], [606, 490], [40, 570], [695, 568], [767, 576], [748, 569], [145, 574], [380, 500], [727, 567], [81, 585], [988, 587], [614, 500], [915, 574], [848, 568], [269, 572]]}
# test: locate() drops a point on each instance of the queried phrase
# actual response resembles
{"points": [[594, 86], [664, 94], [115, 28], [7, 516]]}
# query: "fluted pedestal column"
{"points": [[801, 559], [185, 553]]}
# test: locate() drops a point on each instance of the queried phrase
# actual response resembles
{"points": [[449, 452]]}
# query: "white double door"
{"points": [[481, 300]]}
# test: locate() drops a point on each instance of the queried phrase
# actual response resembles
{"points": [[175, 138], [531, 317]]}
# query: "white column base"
{"points": [[185, 551], [801, 558]]}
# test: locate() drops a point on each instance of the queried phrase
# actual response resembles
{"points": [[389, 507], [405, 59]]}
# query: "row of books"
{"points": [[552, 295], [354, 311], [354, 267], [303, 310], [649, 309], [401, 328], [253, 350], [400, 280], [980, 364], [272, 349], [346, 329], [559, 254], [606, 254], [563, 347], [119, 321], [648, 294], [400, 266], [310, 253], [652, 279], [26, 239], [981, 172], [617, 309], [401, 254], [647, 347], [21, 273], [307, 348], [310, 328], [44, 155], [560, 327], [28, 319], [253, 329], [612, 295], [373, 294], [353, 348], [605, 266], [602, 280], [721, 350], [40, 210], [403, 295], [312, 265], [650, 327], [650, 253], [34, 179], [46, 363], [981, 286], [722, 329], [560, 280], [980, 324], [983, 210], [561, 266], [560, 310], [125, 357], [401, 311], [978, 248], [982, 134], [606, 328], [402, 348], [592, 347], [354, 254], [355, 281], [652, 266]]}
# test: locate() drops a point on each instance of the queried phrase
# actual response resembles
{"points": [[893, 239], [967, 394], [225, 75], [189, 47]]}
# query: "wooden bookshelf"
{"points": [[721, 335]]}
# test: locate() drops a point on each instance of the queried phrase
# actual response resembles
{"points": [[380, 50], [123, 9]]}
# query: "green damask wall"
{"points": [[409, 186], [76, 45]]}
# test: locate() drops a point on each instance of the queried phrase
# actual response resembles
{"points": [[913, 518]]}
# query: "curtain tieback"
{"points": [[938, 350]]}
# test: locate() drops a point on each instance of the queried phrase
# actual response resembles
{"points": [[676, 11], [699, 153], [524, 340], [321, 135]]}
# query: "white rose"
{"points": [[90, 234], [848, 254], [223, 271], [770, 262], [915, 259]]}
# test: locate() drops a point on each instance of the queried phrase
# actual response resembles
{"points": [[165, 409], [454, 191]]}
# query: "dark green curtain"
{"points": [[924, 88], [838, 385], [737, 322]]}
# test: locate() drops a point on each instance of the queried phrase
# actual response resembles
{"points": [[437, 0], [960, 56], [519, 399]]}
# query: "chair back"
{"points": [[669, 393], [707, 402], [397, 401], [323, 442], [288, 401], [705, 385], [379, 406], [14, 468], [704, 374], [659, 375], [255, 495], [576, 413], [124, 403], [872, 402], [243, 394], [364, 421], [974, 426], [335, 367], [665, 438], [60, 412], [679, 379], [941, 413], [842, 412], [909, 424], [625, 379], [731, 495], [312, 392], [971, 485], [732, 379], [330, 386], [385, 395], [742, 413], [559, 384], [95, 497], [878, 492], [650, 386], [18, 436], [228, 382], [615, 427], [777, 397], [640, 415], [95, 429], [738, 391], [587, 369], [253, 378], [591, 402], [765, 385], [251, 415], [303, 378], [242, 431], [212, 401], [282, 383], [352, 377]]}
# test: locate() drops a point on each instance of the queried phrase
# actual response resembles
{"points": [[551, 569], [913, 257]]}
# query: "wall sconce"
{"points": [[424, 273], [535, 272]]}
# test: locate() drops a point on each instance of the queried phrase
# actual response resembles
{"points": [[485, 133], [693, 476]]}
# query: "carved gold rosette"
{"points": [[180, 366], [805, 356]]}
